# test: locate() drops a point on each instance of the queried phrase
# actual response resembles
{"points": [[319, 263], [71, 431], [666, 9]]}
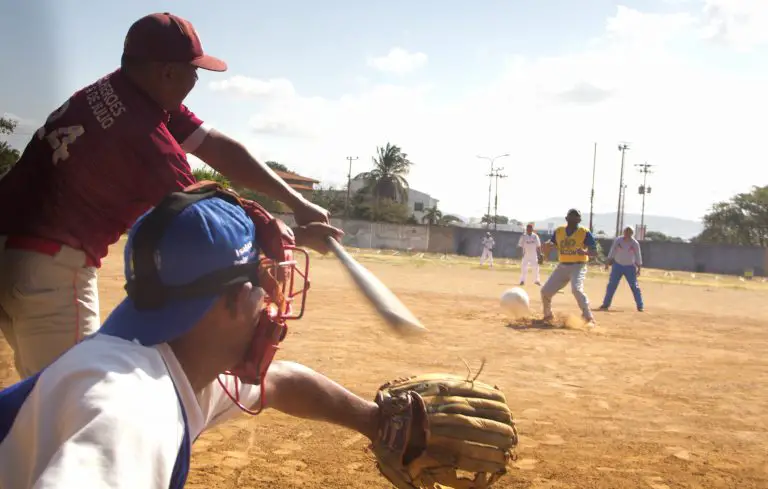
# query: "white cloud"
{"points": [[250, 87], [398, 61], [696, 122], [738, 23]]}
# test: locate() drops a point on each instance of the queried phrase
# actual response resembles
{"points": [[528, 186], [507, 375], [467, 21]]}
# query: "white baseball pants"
{"points": [[529, 261], [47, 304], [486, 255]]}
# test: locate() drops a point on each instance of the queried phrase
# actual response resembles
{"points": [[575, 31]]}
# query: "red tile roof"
{"points": [[293, 176]]}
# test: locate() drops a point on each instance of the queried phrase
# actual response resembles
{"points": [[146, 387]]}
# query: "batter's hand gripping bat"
{"points": [[389, 307]]}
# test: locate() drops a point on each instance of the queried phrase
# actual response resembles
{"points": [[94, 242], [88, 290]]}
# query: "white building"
{"points": [[417, 203]]}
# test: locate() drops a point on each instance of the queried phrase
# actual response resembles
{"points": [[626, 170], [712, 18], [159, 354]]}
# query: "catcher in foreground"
{"points": [[213, 282]]}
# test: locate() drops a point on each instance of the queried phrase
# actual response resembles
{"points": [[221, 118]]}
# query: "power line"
{"points": [[490, 183], [496, 175]]}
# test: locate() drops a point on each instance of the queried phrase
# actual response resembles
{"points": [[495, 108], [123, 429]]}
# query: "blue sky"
{"points": [[683, 81]]}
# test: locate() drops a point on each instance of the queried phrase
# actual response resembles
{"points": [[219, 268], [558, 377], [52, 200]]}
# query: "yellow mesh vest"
{"points": [[567, 245]]}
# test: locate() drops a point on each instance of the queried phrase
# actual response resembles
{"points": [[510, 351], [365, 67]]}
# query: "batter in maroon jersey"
{"points": [[102, 159]]}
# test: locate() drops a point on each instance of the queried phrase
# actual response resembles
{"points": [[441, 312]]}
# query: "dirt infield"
{"points": [[671, 398]]}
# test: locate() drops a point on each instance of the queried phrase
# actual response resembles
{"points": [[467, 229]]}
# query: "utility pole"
{"points": [[623, 202], [592, 195], [349, 185], [623, 147], [644, 189], [490, 184], [496, 175]]}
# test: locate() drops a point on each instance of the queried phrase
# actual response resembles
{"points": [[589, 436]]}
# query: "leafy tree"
{"points": [[383, 210], [448, 219], [331, 199], [387, 178], [498, 219], [277, 166], [432, 216], [743, 220], [207, 173], [8, 155], [270, 204], [658, 236]]}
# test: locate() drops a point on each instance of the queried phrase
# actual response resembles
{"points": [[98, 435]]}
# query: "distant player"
{"points": [[102, 159], [575, 244], [487, 253], [625, 260], [530, 243]]}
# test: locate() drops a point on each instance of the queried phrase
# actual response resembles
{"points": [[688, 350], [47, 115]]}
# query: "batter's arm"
{"points": [[299, 391], [234, 161]]}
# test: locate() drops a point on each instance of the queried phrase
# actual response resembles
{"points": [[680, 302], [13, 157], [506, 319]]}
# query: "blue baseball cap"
{"points": [[191, 249]]}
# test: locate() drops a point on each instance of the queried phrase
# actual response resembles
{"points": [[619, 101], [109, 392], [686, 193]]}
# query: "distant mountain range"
{"points": [[671, 226]]}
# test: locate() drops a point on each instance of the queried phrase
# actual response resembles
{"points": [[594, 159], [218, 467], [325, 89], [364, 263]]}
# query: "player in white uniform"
{"points": [[122, 408], [487, 253], [531, 246]]}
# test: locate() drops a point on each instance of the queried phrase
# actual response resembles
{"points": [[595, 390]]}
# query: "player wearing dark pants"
{"points": [[625, 260]]}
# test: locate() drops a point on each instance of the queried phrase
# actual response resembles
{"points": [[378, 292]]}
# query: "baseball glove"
{"points": [[437, 428], [540, 258]]}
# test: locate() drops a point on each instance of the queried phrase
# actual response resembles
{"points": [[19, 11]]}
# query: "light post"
{"points": [[623, 147], [349, 185]]}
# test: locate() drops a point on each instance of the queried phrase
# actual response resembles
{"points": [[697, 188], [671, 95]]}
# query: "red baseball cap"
{"points": [[168, 38]]}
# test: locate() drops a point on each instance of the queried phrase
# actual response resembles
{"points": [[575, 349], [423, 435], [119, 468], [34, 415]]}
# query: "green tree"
{"points": [[432, 216], [382, 210], [448, 219], [277, 166], [8, 155], [498, 219], [270, 204], [658, 236], [330, 198], [743, 220], [387, 178], [207, 173]]}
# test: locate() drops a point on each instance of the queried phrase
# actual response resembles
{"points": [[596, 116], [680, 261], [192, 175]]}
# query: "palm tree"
{"points": [[387, 179], [432, 216]]}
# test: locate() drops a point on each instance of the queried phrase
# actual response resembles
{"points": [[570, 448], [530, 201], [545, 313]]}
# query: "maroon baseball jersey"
{"points": [[101, 160]]}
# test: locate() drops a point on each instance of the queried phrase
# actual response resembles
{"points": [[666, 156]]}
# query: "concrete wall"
{"points": [[723, 259], [375, 235]]}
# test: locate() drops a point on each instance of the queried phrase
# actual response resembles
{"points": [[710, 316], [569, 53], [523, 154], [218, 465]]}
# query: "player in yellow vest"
{"points": [[575, 244]]}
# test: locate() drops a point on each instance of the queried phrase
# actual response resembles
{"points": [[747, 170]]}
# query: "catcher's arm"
{"points": [[299, 391]]}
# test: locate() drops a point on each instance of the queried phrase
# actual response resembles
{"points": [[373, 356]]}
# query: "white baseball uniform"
{"points": [[108, 413], [487, 254], [531, 244]]}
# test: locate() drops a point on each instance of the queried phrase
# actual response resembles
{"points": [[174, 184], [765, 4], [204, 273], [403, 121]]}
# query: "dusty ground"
{"points": [[671, 398]]}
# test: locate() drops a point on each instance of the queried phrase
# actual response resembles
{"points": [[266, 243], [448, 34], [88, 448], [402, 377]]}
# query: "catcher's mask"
{"points": [[276, 271]]}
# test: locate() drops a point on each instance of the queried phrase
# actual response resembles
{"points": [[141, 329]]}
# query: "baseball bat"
{"points": [[388, 306]]}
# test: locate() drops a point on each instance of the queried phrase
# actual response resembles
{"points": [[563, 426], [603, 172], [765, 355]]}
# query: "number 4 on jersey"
{"points": [[60, 139]]}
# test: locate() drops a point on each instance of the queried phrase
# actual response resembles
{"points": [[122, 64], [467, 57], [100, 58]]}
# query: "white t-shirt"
{"points": [[106, 415], [488, 242], [529, 244]]}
